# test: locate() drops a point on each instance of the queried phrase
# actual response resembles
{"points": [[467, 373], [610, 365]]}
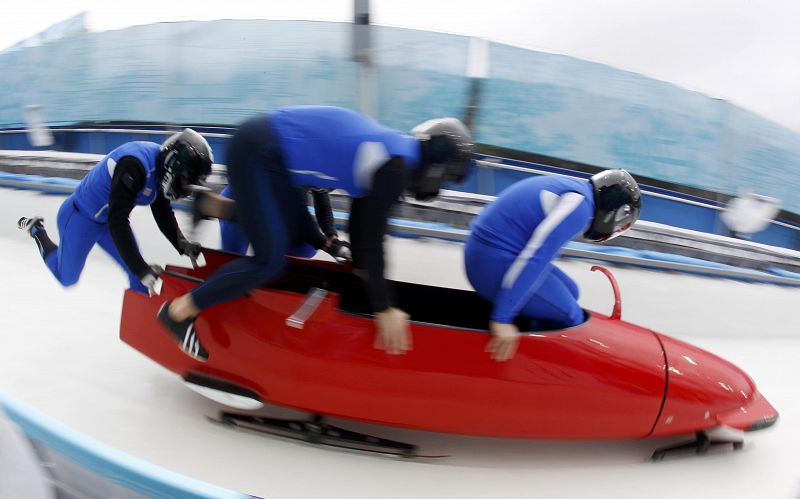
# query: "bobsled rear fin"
{"points": [[616, 313]]}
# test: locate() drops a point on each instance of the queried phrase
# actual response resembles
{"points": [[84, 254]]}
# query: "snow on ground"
{"points": [[59, 352]]}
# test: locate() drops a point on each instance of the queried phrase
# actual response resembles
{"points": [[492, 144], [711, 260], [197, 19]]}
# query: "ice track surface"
{"points": [[60, 353]]}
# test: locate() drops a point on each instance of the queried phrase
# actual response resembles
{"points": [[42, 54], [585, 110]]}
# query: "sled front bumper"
{"points": [[756, 415]]}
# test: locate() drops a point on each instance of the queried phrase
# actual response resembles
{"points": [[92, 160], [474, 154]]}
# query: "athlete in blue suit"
{"points": [[326, 239], [136, 173], [274, 157], [514, 240]]}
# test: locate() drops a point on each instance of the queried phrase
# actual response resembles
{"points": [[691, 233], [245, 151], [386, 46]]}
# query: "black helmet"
{"points": [[187, 160], [446, 155], [617, 203]]}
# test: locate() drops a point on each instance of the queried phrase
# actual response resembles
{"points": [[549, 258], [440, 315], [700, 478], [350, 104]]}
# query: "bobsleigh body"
{"points": [[603, 379]]}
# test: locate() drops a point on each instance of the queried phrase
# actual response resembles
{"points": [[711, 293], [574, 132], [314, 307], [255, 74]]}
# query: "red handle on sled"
{"points": [[616, 314]]}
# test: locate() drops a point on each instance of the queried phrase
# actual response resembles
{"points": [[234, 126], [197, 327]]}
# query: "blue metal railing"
{"points": [[493, 175]]}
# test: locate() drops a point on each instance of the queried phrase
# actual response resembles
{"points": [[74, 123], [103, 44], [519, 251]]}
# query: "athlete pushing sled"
{"points": [[136, 173]]}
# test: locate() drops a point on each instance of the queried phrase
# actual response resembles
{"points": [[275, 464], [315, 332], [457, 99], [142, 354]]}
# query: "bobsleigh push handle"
{"points": [[616, 314], [301, 315]]}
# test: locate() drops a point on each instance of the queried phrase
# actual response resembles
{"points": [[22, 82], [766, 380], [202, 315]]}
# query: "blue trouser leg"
{"points": [[303, 250], [554, 301], [77, 237], [107, 243], [269, 210], [234, 240], [567, 280]]}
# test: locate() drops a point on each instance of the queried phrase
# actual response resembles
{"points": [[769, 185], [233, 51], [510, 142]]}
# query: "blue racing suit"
{"points": [[97, 213], [78, 234], [234, 240], [92, 194], [513, 241], [337, 148], [274, 157]]}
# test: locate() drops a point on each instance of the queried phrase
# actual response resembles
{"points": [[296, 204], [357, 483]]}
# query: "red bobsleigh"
{"points": [[306, 342]]}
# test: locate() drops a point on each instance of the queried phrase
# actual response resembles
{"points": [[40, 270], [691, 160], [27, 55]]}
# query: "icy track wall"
{"points": [[42, 458], [220, 72]]}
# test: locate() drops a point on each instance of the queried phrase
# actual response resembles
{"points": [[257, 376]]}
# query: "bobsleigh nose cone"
{"points": [[704, 391], [756, 415]]}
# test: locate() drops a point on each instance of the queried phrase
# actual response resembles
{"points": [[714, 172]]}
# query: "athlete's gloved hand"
{"points": [[152, 279], [191, 249], [338, 249]]}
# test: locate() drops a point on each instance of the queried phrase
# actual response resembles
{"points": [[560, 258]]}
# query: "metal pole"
{"points": [[362, 53], [477, 72]]}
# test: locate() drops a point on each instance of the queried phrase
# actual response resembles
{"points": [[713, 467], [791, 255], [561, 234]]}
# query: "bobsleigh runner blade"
{"points": [[317, 431], [701, 445]]}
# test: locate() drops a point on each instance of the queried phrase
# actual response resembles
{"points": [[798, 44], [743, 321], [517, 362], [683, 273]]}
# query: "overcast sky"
{"points": [[739, 50]]}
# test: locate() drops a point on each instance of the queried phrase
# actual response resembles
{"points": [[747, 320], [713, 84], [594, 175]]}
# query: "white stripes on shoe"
{"points": [[191, 345]]}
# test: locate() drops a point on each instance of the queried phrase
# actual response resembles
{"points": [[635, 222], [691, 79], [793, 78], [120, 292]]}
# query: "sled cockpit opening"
{"points": [[453, 308], [446, 307]]}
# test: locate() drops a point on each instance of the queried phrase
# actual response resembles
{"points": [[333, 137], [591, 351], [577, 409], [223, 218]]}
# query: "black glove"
{"points": [[152, 280], [191, 249], [339, 250]]}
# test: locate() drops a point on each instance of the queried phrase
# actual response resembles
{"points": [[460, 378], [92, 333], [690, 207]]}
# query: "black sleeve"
{"points": [[165, 219], [129, 178], [369, 217], [323, 211]]}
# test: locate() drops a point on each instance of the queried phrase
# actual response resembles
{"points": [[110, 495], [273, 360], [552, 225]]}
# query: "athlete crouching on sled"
{"points": [[273, 157], [136, 173], [326, 238], [509, 251]]}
